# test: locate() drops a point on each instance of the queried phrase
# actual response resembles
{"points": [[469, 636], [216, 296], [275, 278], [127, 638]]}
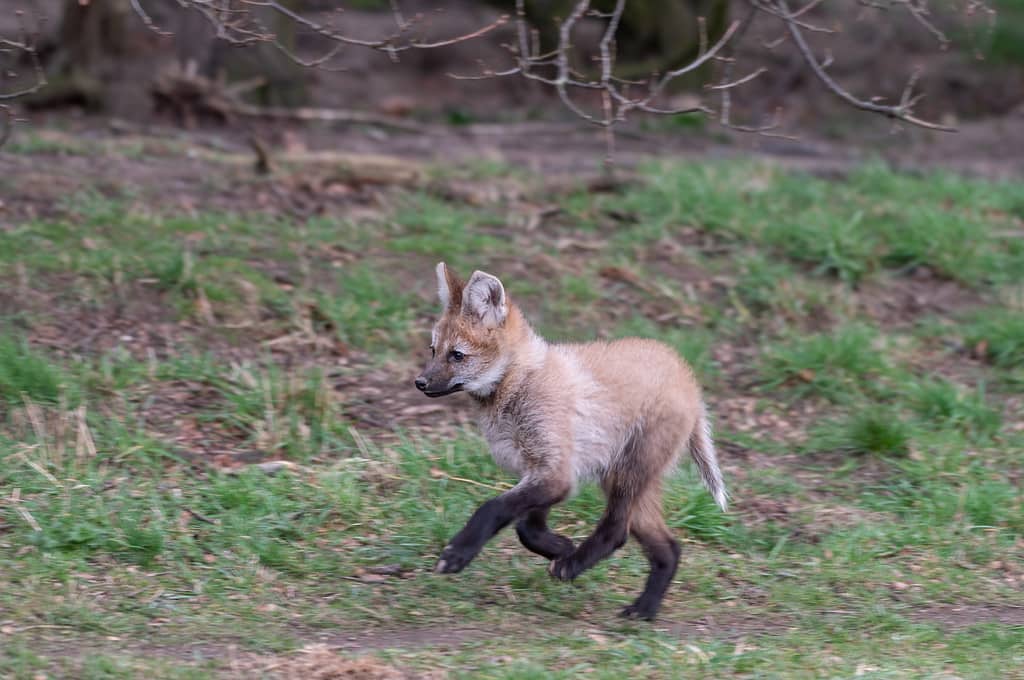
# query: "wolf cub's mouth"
{"points": [[442, 393]]}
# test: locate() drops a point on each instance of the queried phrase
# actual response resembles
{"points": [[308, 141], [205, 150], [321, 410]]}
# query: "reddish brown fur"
{"points": [[614, 412]]}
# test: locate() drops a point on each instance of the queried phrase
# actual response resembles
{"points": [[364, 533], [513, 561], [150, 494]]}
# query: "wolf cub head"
{"points": [[467, 349]]}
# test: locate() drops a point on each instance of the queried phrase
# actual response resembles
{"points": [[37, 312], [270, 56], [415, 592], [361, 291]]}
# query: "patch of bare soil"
{"points": [[329, 657], [897, 300], [726, 626], [137, 319], [960, 616], [319, 662], [351, 655], [445, 636], [173, 412], [178, 173], [741, 411]]}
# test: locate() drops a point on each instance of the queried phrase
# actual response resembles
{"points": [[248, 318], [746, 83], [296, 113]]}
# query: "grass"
{"points": [[872, 222], [871, 431], [998, 335], [367, 310], [832, 365], [290, 415], [431, 226], [1003, 42], [51, 142], [942, 403], [25, 373], [132, 526], [34, 142]]}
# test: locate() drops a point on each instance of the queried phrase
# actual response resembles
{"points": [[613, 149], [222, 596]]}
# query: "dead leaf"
{"points": [[619, 274]]}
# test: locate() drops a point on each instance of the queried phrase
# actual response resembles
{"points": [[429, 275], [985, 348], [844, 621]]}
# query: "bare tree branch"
{"points": [[619, 98], [902, 111], [24, 48], [237, 23], [596, 95]]}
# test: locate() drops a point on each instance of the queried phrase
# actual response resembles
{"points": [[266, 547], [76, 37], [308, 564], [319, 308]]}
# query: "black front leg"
{"points": [[492, 517]]}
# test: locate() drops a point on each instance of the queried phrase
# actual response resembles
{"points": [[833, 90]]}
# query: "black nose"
{"points": [[421, 384]]}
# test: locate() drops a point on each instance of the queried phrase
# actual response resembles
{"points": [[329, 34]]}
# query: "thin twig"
{"points": [[201, 518], [901, 111], [147, 20], [493, 487], [245, 28]]}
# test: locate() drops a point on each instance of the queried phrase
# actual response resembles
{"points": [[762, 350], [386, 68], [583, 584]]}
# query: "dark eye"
{"points": [[432, 352], [456, 356]]}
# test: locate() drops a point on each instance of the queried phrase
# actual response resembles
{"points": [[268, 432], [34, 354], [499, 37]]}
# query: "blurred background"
{"points": [[102, 62]]}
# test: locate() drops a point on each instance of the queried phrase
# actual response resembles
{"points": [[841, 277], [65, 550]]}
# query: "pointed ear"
{"points": [[484, 300], [449, 287]]}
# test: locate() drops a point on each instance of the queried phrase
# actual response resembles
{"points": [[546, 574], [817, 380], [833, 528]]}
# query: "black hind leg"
{"points": [[535, 535], [609, 535], [662, 550]]}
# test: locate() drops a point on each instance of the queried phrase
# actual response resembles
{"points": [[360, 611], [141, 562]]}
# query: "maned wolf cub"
{"points": [[555, 415]]}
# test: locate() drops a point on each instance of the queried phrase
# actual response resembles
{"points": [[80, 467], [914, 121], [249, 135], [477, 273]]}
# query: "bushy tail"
{"points": [[702, 448]]}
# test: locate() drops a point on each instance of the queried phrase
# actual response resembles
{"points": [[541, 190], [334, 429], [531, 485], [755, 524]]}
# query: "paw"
{"points": [[640, 610], [453, 560], [561, 547], [566, 568]]}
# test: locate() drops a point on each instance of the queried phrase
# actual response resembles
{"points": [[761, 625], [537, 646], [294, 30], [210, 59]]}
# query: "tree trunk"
{"points": [[91, 38], [102, 56]]}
